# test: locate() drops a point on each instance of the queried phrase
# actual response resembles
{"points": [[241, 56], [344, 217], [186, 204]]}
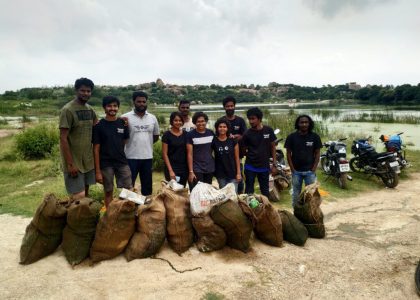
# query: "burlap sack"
{"points": [[178, 220], [266, 220], [44, 234], [78, 235], [150, 231], [293, 230], [308, 211], [211, 236], [237, 226], [114, 230]]}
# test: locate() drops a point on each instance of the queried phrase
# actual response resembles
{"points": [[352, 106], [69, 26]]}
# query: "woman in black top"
{"points": [[226, 154], [174, 150]]}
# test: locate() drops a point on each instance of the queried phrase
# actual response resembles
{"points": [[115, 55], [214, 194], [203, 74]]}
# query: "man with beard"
{"points": [[303, 152], [76, 121], [144, 132], [184, 109], [238, 127], [259, 143]]}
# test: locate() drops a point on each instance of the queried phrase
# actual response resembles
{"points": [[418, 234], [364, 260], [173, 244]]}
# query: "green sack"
{"points": [[44, 234], [211, 236], [237, 226], [293, 230], [78, 235]]}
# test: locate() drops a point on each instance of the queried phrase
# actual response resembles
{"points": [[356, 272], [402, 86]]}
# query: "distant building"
{"points": [[353, 86]]}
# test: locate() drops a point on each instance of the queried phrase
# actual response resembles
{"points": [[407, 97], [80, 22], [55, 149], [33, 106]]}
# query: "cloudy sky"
{"points": [[306, 42]]}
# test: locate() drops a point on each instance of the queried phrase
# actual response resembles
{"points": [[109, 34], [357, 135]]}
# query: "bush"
{"points": [[37, 142], [158, 162]]}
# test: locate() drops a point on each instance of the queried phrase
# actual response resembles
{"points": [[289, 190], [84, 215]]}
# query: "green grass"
{"points": [[212, 296]]}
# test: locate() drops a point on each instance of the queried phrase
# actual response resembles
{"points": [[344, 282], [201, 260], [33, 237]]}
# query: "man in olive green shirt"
{"points": [[76, 121]]}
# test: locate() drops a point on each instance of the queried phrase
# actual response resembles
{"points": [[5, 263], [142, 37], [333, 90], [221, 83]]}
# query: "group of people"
{"points": [[122, 147]]}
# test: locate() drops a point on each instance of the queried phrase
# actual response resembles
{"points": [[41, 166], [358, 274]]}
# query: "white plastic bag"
{"points": [[204, 196], [132, 196]]}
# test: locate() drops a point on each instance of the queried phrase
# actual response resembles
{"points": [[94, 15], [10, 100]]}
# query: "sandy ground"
{"points": [[7, 132], [371, 251]]}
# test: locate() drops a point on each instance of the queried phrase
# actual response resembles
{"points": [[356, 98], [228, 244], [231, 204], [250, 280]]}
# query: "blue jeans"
{"points": [[297, 178], [143, 167], [263, 178], [224, 181]]}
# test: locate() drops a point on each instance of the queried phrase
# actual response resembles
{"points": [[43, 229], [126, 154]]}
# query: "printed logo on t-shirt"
{"points": [[120, 130], [309, 144], [142, 128], [226, 148], [266, 136], [236, 127]]}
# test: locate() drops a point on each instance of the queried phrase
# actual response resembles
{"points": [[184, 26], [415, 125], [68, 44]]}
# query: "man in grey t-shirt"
{"points": [[144, 132]]}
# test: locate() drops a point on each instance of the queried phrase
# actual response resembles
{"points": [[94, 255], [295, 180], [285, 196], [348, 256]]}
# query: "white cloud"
{"points": [[203, 41]]}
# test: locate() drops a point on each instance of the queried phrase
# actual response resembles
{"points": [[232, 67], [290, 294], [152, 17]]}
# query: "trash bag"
{"points": [[78, 235], [44, 234], [150, 232], [178, 221], [211, 236], [308, 211], [114, 230], [293, 230], [204, 196], [237, 226], [266, 220]]}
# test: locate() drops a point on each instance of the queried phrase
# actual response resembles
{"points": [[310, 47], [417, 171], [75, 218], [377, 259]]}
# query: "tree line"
{"points": [[160, 93]]}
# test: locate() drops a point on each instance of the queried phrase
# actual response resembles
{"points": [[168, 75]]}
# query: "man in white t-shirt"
{"points": [[144, 132], [184, 109]]}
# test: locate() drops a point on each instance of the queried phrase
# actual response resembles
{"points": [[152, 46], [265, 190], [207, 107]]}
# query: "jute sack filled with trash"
{"points": [[293, 230], [308, 211], [44, 234], [150, 230], [114, 230], [237, 226], [78, 235], [211, 236], [178, 221], [266, 220]]}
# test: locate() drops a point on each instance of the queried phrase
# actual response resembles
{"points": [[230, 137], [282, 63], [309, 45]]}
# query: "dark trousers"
{"points": [[241, 184], [183, 176], [203, 177], [143, 167], [263, 178]]}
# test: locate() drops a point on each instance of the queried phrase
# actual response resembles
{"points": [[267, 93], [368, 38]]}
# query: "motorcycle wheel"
{"points": [[324, 165], [354, 165], [342, 180], [390, 179], [417, 278]]}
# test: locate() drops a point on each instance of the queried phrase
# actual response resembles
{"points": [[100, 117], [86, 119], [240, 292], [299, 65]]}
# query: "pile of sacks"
{"points": [[211, 217]]}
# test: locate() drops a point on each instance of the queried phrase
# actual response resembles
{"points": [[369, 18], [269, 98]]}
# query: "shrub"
{"points": [[158, 162], [37, 142]]}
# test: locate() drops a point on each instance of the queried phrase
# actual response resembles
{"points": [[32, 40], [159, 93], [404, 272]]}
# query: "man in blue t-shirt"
{"points": [[303, 152], [109, 138], [260, 147]]}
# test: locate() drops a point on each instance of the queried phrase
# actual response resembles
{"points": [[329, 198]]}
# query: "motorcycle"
{"points": [[283, 177], [383, 165], [334, 162], [394, 144]]}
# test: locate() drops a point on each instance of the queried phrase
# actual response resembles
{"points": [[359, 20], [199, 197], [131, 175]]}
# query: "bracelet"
{"points": [[191, 171]]}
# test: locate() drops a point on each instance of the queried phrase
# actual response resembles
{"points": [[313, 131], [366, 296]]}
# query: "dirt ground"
{"points": [[371, 251]]}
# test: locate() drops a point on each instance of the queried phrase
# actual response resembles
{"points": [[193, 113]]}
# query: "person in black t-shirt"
{"points": [[226, 155], [303, 152], [174, 152], [199, 151], [237, 129], [260, 147], [109, 138]]}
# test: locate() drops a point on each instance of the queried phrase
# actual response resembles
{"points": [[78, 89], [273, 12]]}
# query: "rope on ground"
{"points": [[172, 266]]}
